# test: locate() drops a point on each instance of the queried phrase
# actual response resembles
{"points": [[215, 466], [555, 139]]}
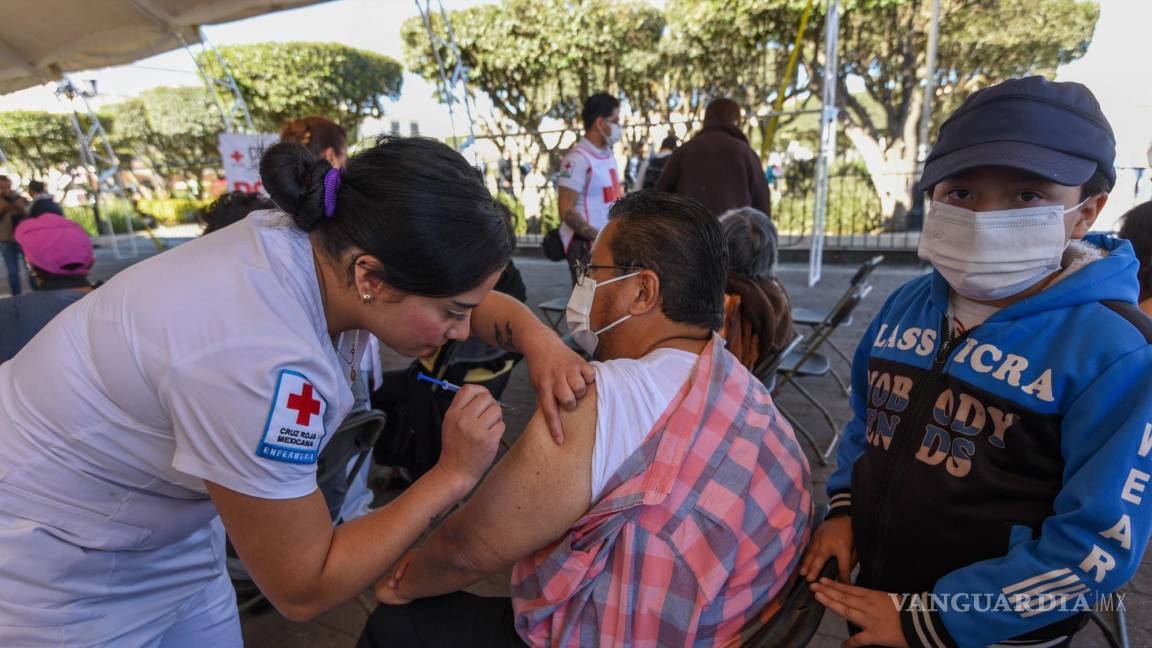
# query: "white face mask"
{"points": [[995, 254], [579, 311], [613, 135]]}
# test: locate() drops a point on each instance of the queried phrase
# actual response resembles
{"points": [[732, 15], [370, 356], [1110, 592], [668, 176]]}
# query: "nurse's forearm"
{"points": [[505, 323], [303, 565], [363, 550]]}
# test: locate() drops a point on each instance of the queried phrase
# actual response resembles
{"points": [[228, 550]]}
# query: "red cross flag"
{"points": [[241, 155], [295, 428]]}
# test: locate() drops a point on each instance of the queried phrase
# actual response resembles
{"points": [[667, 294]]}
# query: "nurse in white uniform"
{"points": [[201, 385]]}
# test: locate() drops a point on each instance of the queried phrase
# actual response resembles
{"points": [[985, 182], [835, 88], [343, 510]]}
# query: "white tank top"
{"points": [[631, 395]]}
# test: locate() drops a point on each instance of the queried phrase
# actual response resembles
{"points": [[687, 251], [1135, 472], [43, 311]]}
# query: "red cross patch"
{"points": [[295, 431]]}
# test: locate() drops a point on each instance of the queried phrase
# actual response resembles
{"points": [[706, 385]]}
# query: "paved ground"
{"points": [[545, 281]]}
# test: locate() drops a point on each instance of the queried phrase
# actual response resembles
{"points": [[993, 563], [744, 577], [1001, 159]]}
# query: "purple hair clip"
{"points": [[331, 186]]}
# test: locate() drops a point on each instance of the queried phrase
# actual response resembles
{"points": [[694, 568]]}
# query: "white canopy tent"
{"points": [[45, 39]]}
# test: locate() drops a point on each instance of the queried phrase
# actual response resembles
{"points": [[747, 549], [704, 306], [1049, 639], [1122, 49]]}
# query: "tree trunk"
{"points": [[892, 172]]}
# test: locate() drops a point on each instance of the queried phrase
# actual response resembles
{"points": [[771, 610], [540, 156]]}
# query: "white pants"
{"points": [[55, 593]]}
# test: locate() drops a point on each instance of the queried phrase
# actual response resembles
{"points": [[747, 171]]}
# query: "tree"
{"points": [[737, 49], [884, 43], [36, 140], [172, 130], [282, 81], [540, 58]]}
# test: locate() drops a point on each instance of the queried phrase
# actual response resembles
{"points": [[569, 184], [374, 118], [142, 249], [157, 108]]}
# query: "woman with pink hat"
{"points": [[59, 256]]}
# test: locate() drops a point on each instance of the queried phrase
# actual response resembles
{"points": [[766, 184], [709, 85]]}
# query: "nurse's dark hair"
{"points": [[413, 203]]}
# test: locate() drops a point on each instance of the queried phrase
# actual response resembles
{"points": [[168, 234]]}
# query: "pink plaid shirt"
{"points": [[694, 535]]}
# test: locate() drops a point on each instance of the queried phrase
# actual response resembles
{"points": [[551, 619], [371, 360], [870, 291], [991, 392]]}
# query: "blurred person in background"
{"points": [[59, 255], [717, 167], [1136, 226], [13, 208], [653, 166]]}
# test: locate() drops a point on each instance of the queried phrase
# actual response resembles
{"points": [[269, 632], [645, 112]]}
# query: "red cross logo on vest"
{"points": [[614, 192], [304, 404]]}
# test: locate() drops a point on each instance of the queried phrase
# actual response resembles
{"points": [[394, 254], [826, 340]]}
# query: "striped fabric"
{"points": [[694, 535]]}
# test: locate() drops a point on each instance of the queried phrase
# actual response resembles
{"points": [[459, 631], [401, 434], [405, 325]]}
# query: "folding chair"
{"points": [[807, 361], [766, 370], [813, 318], [553, 311], [356, 436], [795, 613], [1115, 637]]}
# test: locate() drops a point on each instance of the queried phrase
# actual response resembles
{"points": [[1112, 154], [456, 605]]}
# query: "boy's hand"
{"points": [[876, 612], [832, 538]]}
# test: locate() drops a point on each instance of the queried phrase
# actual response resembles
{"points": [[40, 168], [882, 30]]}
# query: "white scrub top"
{"points": [[211, 361]]}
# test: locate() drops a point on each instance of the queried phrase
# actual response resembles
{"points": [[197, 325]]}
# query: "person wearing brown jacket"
{"points": [[717, 167], [757, 315]]}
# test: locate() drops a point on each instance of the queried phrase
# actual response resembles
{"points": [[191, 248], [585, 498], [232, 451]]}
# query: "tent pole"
{"points": [[238, 110], [828, 120], [97, 155]]}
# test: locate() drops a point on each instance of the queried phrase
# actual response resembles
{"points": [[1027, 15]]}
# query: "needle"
{"points": [[443, 384]]}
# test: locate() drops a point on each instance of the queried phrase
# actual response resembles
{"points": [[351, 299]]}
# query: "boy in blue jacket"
{"points": [[993, 482]]}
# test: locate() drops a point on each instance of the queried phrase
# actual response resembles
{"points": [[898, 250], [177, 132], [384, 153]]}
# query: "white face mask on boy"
{"points": [[991, 255]]}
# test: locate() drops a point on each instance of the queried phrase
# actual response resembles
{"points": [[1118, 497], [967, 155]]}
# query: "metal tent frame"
{"points": [[454, 86], [97, 156]]}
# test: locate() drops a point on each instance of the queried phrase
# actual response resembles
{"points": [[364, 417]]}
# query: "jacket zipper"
{"points": [[893, 479]]}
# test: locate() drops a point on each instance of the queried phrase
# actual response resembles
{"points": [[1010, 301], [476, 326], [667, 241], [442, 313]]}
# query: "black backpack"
{"points": [[652, 173]]}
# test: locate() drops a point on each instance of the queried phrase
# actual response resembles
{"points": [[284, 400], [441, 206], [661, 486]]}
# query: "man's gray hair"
{"points": [[751, 239]]}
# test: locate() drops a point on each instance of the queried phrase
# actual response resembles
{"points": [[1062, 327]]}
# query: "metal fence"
{"points": [[855, 220]]}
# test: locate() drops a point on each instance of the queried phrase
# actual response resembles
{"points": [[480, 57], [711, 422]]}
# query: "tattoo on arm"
{"points": [[504, 338], [574, 220]]}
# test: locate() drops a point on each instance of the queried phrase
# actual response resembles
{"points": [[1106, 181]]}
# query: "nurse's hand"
{"points": [[472, 430], [560, 376], [388, 589]]}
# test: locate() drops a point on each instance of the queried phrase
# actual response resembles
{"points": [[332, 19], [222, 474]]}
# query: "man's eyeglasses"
{"points": [[582, 269]]}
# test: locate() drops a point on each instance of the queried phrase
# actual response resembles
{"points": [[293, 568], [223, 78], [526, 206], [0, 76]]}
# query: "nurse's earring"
{"points": [[367, 299]]}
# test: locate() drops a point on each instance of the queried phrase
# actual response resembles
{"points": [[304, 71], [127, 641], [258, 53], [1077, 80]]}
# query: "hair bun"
{"points": [[294, 179]]}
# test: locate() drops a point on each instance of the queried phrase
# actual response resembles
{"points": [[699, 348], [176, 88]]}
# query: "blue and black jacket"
{"points": [[1000, 478]]}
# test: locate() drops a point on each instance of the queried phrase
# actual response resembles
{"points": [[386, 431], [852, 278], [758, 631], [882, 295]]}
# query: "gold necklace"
{"points": [[352, 361]]}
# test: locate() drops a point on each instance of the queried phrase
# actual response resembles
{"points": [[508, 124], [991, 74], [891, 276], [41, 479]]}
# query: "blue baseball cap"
{"points": [[1052, 129]]}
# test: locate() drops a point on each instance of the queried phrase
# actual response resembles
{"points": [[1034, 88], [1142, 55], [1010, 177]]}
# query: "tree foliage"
{"points": [[170, 130], [884, 43], [282, 81], [539, 58], [737, 49], [36, 140]]}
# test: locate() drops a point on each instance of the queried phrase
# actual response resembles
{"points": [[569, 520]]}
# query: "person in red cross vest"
{"points": [[589, 180], [195, 391]]}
